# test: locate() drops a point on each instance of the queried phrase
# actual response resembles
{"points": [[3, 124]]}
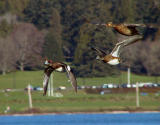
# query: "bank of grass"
{"points": [[80, 102], [71, 102]]}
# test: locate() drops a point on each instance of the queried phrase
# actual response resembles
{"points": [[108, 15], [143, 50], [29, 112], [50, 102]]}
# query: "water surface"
{"points": [[84, 119]]}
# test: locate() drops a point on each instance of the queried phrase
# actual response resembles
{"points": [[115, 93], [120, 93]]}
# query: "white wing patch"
{"points": [[116, 53], [60, 69], [113, 62]]}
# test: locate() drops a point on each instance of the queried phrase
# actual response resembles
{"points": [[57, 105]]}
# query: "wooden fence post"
{"points": [[30, 97], [137, 95]]}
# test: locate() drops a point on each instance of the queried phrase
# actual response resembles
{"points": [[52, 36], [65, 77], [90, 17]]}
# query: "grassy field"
{"points": [[71, 102], [22, 79]]}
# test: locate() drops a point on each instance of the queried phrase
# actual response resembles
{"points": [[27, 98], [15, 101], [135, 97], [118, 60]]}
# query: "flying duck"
{"points": [[58, 66], [113, 58], [124, 28]]}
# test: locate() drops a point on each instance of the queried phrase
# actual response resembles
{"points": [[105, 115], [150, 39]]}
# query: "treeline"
{"points": [[31, 30]]}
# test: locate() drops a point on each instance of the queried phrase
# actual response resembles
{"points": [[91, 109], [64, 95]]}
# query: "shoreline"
{"points": [[62, 113]]}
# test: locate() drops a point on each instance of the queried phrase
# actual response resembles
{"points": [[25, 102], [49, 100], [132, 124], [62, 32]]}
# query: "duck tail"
{"points": [[100, 52], [94, 48]]}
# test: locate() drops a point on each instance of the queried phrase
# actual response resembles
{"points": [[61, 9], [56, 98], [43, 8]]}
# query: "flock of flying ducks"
{"points": [[113, 58]]}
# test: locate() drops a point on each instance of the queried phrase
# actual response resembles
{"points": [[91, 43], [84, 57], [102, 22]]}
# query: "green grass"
{"points": [[22, 79], [18, 101]]}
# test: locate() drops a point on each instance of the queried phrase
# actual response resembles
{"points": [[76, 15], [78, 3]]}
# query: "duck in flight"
{"points": [[124, 28], [114, 57], [58, 66]]}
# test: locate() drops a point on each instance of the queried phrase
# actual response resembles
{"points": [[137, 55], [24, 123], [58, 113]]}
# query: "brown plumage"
{"points": [[125, 29], [113, 58], [59, 66]]}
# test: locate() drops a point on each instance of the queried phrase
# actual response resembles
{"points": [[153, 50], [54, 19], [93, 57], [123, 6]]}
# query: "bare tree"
{"points": [[144, 56], [151, 60], [28, 41], [7, 59]]}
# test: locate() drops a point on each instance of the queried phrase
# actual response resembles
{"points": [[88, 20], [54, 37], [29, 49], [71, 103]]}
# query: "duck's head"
{"points": [[48, 62], [99, 58], [109, 24]]}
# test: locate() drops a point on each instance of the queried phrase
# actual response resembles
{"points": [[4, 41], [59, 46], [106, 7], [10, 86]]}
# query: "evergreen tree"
{"points": [[5, 28], [39, 12], [17, 6], [73, 14], [51, 48], [85, 58], [53, 44], [148, 13], [3, 7]]}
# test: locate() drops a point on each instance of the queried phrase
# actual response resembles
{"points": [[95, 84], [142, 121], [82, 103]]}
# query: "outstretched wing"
{"points": [[116, 51], [100, 52], [134, 25], [47, 73], [71, 77], [148, 25]]}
